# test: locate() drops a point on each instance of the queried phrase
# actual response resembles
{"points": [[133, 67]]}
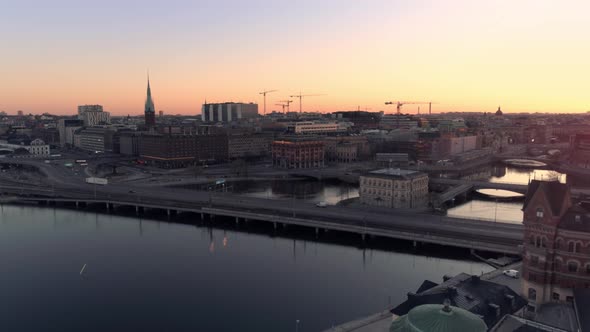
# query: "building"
{"points": [[193, 145], [92, 118], [66, 128], [486, 299], [394, 188], [88, 108], [580, 150], [228, 112], [96, 139], [450, 146], [346, 149], [360, 119], [129, 144], [438, 318], [318, 127], [247, 146], [36, 148], [149, 109], [298, 152], [556, 256], [392, 160]]}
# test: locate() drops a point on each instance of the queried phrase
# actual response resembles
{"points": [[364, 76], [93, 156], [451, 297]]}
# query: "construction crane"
{"points": [[282, 105], [300, 96], [399, 105], [287, 103], [264, 94]]}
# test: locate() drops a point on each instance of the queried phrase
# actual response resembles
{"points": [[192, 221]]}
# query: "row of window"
{"points": [[541, 242]]}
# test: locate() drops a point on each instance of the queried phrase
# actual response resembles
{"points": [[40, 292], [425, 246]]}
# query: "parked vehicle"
{"points": [[511, 273]]}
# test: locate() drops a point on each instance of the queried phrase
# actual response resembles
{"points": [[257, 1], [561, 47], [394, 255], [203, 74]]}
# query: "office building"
{"points": [[246, 146], [394, 188], [95, 139], [88, 108], [190, 146], [66, 128], [318, 127], [228, 112]]}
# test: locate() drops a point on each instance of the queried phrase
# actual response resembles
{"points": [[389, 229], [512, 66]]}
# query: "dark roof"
{"points": [[576, 219], [466, 292], [581, 304], [554, 191]]}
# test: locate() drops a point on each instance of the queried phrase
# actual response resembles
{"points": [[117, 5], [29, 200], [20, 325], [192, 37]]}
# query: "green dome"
{"points": [[437, 318]]}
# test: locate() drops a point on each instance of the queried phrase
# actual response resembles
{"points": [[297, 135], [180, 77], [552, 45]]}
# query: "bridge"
{"points": [[415, 227], [519, 188]]}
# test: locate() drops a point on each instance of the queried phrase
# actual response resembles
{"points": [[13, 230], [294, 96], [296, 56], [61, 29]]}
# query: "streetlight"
{"points": [[297, 325]]}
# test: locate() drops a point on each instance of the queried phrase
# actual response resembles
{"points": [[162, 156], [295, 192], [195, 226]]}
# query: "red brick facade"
{"points": [[556, 245]]}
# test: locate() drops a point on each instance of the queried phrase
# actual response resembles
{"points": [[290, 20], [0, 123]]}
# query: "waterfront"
{"points": [[152, 275]]}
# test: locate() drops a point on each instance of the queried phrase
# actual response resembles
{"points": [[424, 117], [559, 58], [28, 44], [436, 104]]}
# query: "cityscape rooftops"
{"points": [[395, 173]]}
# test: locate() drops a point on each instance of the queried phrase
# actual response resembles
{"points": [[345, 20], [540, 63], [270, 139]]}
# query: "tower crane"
{"points": [[283, 106], [399, 105], [287, 103], [300, 96], [264, 94]]}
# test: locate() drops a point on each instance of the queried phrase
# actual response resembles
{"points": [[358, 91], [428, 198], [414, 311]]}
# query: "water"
{"points": [[502, 211], [147, 275]]}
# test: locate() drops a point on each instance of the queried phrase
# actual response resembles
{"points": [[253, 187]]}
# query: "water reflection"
{"points": [[167, 279]]}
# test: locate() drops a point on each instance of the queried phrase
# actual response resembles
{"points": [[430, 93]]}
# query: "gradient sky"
{"points": [[467, 55]]}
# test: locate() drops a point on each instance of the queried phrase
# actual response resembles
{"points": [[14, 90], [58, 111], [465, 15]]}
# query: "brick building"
{"points": [[193, 145], [580, 150], [298, 153], [247, 146], [556, 256]]}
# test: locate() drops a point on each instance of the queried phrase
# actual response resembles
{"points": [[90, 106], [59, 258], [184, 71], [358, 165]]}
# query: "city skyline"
{"points": [[463, 55]]}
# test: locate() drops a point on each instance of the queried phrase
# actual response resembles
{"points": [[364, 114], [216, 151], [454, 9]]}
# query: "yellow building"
{"points": [[394, 188]]}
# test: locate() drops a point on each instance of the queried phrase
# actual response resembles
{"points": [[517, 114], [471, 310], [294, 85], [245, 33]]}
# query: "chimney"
{"points": [[511, 300], [495, 308]]}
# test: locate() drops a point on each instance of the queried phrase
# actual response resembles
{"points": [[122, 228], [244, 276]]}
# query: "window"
{"points": [[539, 212], [572, 267], [558, 244], [534, 260], [571, 246], [588, 268], [557, 265], [532, 294], [555, 296]]}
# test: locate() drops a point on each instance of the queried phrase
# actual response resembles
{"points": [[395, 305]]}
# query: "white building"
{"points": [[318, 127], [37, 148], [228, 112], [95, 118], [394, 188]]}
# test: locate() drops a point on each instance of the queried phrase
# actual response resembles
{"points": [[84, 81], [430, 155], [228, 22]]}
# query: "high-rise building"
{"points": [[228, 112], [150, 110], [66, 128], [88, 108]]}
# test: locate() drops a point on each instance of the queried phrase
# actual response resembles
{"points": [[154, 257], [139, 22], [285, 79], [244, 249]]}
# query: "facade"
{"points": [[244, 146], [451, 146], [394, 188], [346, 149], [92, 118], [129, 144], [228, 112], [318, 127], [66, 128], [298, 153], [88, 108], [580, 150], [96, 139], [205, 144], [392, 159], [149, 109], [37, 148], [556, 258]]}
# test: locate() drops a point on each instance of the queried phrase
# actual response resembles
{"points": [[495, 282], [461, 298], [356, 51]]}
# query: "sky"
{"points": [[464, 55]]}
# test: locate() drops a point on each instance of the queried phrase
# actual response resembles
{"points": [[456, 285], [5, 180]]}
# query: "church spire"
{"points": [[150, 109]]}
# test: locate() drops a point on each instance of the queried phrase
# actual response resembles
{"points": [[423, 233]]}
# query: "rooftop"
{"points": [[396, 173]]}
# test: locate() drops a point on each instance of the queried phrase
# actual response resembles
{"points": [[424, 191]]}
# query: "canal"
{"points": [[152, 275]]}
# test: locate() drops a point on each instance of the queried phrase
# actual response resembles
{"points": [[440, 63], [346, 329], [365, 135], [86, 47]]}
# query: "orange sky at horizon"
{"points": [[528, 56]]}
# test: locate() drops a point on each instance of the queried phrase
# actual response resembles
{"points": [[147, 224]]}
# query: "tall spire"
{"points": [[150, 109]]}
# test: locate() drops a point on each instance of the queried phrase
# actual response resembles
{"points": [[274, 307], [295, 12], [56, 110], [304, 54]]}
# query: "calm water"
{"points": [[145, 275], [510, 212]]}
